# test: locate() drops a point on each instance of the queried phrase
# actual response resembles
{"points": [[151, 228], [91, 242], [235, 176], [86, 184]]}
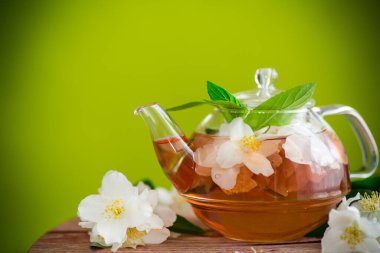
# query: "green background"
{"points": [[72, 72]]}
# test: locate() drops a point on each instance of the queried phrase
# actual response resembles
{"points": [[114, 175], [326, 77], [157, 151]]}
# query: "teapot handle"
{"points": [[364, 135]]}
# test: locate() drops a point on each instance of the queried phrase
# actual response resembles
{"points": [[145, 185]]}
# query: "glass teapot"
{"points": [[272, 184]]}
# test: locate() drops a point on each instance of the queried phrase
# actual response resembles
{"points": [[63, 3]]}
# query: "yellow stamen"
{"points": [[134, 234], [352, 235], [250, 143], [370, 203], [134, 237], [115, 210]]}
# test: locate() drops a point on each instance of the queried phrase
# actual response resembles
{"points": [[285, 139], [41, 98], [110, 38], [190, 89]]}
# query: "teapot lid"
{"points": [[265, 79]]}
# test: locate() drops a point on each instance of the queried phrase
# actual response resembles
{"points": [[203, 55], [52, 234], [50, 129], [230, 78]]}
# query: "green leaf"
{"points": [[149, 183], [211, 131], [229, 109], [269, 112], [181, 225], [98, 245], [221, 95], [372, 183], [218, 93]]}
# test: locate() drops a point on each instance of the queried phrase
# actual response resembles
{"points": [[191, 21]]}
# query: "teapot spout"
{"points": [[171, 145]]}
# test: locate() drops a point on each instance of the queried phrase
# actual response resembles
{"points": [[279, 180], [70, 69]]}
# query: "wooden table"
{"points": [[69, 237]]}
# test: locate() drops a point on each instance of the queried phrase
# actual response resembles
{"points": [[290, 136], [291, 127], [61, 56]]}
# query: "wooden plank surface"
{"points": [[69, 237]]}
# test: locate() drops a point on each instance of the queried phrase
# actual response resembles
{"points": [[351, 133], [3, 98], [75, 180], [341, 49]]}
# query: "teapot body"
{"points": [[239, 181], [269, 168]]}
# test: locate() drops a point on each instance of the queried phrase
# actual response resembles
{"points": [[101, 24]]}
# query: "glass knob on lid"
{"points": [[265, 79]]}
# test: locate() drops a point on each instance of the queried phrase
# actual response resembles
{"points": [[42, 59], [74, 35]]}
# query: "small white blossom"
{"points": [[348, 232], [121, 215], [369, 205]]}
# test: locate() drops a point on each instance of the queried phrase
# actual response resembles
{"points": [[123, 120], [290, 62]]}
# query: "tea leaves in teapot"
{"points": [[270, 112]]}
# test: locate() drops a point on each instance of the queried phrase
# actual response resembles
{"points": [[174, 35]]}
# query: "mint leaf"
{"points": [[181, 225], [269, 112], [218, 93]]}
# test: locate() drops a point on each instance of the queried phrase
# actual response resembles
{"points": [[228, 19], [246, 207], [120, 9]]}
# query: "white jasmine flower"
{"points": [[120, 215], [348, 232], [369, 205], [305, 147], [241, 148]]}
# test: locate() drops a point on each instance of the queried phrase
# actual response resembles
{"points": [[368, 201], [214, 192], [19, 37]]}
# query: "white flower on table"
{"points": [[121, 215], [242, 147], [349, 232], [369, 205]]}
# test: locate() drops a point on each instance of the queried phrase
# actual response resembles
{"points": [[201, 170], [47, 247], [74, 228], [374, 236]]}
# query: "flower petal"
{"points": [[153, 198], [137, 210], [225, 178], [141, 186], [370, 245], [340, 219], [236, 129], [113, 231], [164, 196], [206, 155], [297, 149], [98, 239], [331, 242], [156, 236], [153, 222], [86, 224], [258, 164], [183, 208], [370, 227], [320, 153], [269, 147], [229, 154], [91, 208], [347, 202], [166, 214], [116, 186], [203, 171]]}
